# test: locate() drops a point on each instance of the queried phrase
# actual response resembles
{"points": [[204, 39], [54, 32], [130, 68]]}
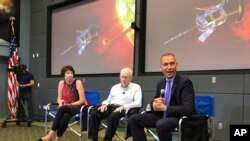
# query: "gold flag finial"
{"points": [[12, 24]]}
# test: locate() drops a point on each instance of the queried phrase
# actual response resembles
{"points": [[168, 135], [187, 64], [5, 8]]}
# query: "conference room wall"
{"points": [[3, 86]]}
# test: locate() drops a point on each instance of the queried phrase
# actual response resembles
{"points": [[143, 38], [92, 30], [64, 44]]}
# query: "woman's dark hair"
{"points": [[66, 68]]}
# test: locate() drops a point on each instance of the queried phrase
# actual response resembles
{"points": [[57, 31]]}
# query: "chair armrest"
{"points": [[196, 117], [92, 107], [54, 103], [134, 110], [81, 110], [47, 107], [144, 111], [193, 118]]}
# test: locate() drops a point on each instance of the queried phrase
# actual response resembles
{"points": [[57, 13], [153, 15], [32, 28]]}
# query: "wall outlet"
{"points": [[220, 126], [213, 79], [40, 106]]}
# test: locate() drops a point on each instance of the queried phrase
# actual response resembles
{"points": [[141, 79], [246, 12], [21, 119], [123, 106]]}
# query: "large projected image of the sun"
{"points": [[204, 34], [94, 37]]}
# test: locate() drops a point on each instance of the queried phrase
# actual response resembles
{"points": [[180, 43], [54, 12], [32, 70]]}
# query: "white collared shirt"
{"points": [[128, 97]]}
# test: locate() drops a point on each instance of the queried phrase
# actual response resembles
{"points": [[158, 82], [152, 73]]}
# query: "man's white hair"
{"points": [[127, 69]]}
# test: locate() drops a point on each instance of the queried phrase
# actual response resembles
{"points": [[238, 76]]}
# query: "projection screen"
{"points": [[204, 35], [94, 36]]}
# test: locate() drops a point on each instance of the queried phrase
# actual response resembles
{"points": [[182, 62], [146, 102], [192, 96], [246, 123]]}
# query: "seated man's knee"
{"points": [[114, 115], [133, 118], [168, 124], [93, 113], [162, 125]]}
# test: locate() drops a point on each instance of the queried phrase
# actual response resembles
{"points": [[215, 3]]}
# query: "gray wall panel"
{"points": [[24, 50], [247, 84], [39, 5], [100, 82], [4, 51], [42, 97], [38, 45], [148, 97], [3, 87], [39, 22], [149, 82], [224, 83], [228, 110], [246, 117], [51, 83], [38, 67]]}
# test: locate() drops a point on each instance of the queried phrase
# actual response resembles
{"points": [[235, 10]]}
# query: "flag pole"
{"points": [[12, 19]]}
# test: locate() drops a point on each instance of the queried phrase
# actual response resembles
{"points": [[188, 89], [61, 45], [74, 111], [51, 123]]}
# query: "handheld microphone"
{"points": [[162, 93]]}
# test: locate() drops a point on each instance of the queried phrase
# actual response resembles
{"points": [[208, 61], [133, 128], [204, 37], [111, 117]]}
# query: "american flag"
{"points": [[12, 78]]}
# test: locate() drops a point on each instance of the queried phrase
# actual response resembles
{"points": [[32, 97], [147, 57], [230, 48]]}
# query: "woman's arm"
{"points": [[59, 93]]}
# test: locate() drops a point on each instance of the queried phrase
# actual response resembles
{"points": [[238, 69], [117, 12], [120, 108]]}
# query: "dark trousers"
{"points": [[138, 122], [25, 103], [63, 117], [95, 119]]}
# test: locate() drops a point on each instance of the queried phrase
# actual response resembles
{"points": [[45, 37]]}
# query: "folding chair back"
{"points": [[205, 105], [93, 98], [198, 127], [195, 129]]}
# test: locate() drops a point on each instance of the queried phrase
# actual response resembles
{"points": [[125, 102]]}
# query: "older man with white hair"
{"points": [[123, 96]]}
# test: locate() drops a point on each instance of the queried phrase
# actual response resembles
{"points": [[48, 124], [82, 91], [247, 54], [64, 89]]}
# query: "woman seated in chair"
{"points": [[70, 98]]}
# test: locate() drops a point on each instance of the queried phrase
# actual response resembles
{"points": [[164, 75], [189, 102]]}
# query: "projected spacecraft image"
{"points": [[211, 17], [96, 37], [200, 33], [84, 39]]}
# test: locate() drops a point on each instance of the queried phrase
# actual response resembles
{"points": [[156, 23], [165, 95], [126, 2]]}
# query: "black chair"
{"points": [[198, 127]]}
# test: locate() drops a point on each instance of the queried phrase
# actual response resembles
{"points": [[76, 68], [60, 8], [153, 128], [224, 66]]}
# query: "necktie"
{"points": [[167, 96]]}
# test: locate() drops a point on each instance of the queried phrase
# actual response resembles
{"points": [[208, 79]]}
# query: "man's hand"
{"points": [[23, 85], [119, 109], [103, 108], [159, 100], [158, 104]]}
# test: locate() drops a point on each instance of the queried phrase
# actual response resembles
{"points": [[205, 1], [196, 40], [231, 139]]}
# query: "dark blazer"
{"points": [[182, 99]]}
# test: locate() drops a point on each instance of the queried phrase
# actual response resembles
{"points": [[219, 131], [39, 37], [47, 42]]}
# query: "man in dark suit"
{"points": [[169, 104]]}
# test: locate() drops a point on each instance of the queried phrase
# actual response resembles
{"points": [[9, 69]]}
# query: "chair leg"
{"points": [[153, 134], [88, 116]]}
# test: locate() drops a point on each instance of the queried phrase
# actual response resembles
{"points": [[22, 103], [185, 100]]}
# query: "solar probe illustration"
{"points": [[211, 18], [84, 39], [208, 19]]}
